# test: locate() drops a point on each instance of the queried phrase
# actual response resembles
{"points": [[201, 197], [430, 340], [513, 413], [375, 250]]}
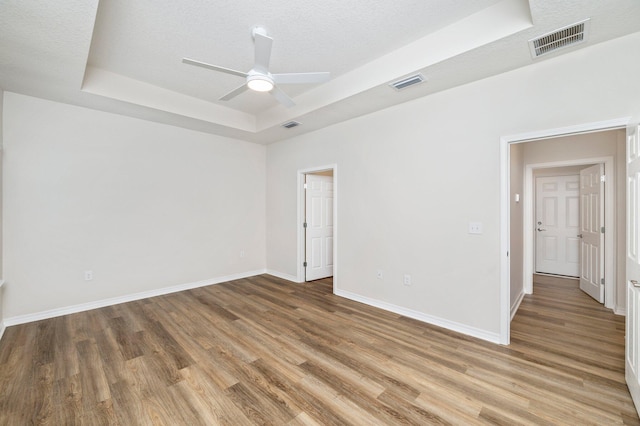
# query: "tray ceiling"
{"points": [[125, 57]]}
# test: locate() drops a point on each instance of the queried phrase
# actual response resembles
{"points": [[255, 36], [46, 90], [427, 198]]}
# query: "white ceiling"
{"points": [[125, 57]]}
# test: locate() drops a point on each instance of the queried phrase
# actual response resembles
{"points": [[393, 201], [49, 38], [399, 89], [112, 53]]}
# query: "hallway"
{"points": [[563, 330]]}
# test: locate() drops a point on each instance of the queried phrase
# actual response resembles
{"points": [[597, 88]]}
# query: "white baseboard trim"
{"points": [[282, 275], [3, 326], [620, 311], [516, 304], [440, 322], [22, 319]]}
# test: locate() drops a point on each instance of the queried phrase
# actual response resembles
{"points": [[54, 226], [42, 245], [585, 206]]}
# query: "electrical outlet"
{"points": [[475, 227], [88, 275], [406, 280], [379, 274]]}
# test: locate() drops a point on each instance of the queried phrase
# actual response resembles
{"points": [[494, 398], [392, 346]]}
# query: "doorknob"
{"points": [[635, 283], [541, 229], [579, 235]]}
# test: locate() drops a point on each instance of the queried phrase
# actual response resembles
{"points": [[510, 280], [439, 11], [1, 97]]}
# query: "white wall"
{"points": [[1, 210], [598, 144], [516, 250], [411, 177], [557, 171], [621, 224], [143, 205]]}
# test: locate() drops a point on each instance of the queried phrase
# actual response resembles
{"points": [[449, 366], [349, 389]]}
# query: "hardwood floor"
{"points": [[265, 351]]}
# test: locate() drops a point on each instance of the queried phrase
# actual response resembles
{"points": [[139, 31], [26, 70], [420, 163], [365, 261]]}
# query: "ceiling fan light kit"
{"points": [[260, 83], [258, 78]]}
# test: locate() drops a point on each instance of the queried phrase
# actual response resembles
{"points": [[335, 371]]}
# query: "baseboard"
{"points": [[516, 304], [22, 319], [282, 275], [620, 311], [440, 322], [544, 274], [3, 326]]}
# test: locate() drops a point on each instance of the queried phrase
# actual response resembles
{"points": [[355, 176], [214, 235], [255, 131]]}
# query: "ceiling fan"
{"points": [[259, 78]]}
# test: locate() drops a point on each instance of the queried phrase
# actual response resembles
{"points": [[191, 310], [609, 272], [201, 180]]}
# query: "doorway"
{"points": [[517, 244], [609, 213], [570, 211], [318, 225], [557, 223], [318, 252]]}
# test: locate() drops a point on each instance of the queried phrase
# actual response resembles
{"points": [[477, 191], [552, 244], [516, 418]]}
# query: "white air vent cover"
{"points": [[408, 81], [290, 124], [559, 39]]}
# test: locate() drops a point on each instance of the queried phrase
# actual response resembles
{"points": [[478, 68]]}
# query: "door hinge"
{"points": [[602, 229], [304, 225], [304, 186], [304, 264], [602, 281], [603, 178]]}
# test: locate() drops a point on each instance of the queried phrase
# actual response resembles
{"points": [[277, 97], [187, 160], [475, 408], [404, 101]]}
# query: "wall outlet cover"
{"points": [[475, 227]]}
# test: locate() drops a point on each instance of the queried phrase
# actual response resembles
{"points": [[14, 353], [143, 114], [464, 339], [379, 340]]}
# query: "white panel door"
{"points": [[592, 241], [557, 225], [319, 227], [632, 344]]}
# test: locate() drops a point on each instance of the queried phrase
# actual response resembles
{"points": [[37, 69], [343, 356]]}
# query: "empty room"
{"points": [[315, 213]]}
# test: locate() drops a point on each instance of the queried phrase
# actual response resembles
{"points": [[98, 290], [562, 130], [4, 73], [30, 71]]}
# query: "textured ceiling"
{"points": [[125, 57], [146, 40]]}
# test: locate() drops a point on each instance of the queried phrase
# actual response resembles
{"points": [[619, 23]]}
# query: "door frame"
{"points": [[301, 216], [609, 222], [505, 211]]}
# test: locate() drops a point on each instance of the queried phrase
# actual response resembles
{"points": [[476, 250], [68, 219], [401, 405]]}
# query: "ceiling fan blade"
{"points": [[263, 51], [214, 67], [235, 92], [301, 77], [282, 97]]}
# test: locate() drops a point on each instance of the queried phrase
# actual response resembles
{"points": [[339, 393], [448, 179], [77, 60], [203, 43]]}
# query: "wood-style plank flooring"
{"points": [[266, 351]]}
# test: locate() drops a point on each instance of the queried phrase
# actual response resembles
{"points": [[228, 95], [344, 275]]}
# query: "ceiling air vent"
{"points": [[408, 81], [290, 124], [559, 39]]}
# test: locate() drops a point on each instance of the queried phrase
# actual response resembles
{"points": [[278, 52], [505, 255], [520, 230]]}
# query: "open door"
{"points": [[592, 231], [632, 346], [318, 227]]}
